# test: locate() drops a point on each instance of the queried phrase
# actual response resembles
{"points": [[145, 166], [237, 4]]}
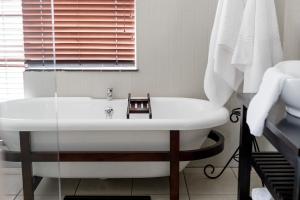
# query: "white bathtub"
{"points": [[80, 124]]}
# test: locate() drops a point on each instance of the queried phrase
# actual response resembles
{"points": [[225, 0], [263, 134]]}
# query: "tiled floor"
{"points": [[193, 186]]}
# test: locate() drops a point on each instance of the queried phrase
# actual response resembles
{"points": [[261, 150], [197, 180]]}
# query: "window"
{"points": [[87, 33], [11, 50]]}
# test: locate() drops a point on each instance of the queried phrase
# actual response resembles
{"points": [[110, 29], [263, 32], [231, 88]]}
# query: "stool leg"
{"points": [[297, 181], [25, 144], [244, 159], [174, 164]]}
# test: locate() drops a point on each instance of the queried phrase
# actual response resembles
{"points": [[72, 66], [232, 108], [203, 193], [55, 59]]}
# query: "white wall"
{"points": [[292, 29], [172, 49], [172, 46]]}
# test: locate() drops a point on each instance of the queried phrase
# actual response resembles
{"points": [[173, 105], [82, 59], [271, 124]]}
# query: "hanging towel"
{"points": [[258, 45], [221, 78], [261, 194], [267, 95]]}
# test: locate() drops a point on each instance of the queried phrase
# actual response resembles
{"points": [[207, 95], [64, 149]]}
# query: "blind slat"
{"points": [[69, 13], [98, 30], [11, 50], [82, 47], [78, 35], [11, 34]]}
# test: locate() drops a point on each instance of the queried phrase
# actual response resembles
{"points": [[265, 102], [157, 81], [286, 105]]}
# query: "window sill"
{"points": [[82, 68]]}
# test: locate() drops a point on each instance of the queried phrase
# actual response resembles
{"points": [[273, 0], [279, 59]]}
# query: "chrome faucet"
{"points": [[109, 112], [109, 94]]}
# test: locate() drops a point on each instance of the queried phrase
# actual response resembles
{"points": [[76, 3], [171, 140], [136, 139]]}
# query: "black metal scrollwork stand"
{"points": [[234, 118], [235, 115]]}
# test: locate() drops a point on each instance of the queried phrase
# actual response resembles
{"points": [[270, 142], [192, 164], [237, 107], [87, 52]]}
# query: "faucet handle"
{"points": [[109, 112], [109, 94], [109, 90]]}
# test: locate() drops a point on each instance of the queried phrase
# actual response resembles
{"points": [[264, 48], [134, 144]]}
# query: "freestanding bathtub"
{"points": [[80, 124]]}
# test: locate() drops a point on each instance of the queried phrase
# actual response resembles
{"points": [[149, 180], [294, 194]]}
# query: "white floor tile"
{"points": [[156, 186], [198, 184], [12, 184], [235, 171], [104, 187], [255, 180], [167, 197], [200, 187], [7, 197], [50, 187], [41, 198], [11, 171], [213, 197], [153, 197]]}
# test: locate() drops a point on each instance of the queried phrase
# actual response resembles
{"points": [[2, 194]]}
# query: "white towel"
{"points": [[261, 194], [258, 46], [221, 79], [230, 24], [267, 95]]}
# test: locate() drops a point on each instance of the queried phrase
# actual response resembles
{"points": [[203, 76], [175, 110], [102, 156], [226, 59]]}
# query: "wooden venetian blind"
{"points": [[11, 50], [81, 30], [11, 34]]}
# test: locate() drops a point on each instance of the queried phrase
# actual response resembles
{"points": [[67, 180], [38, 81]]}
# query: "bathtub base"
{"points": [[173, 156]]}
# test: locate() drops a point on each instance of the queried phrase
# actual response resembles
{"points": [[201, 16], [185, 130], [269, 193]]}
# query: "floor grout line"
{"points": [[193, 167], [17, 195], [77, 187], [235, 175], [186, 185], [131, 194]]}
